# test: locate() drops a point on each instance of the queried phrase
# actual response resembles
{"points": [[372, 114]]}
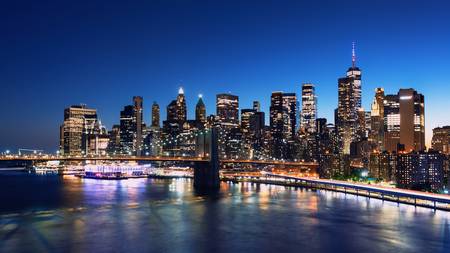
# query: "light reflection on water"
{"points": [[71, 215]]}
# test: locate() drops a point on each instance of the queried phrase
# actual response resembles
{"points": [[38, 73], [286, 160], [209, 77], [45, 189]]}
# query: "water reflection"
{"points": [[66, 214]]}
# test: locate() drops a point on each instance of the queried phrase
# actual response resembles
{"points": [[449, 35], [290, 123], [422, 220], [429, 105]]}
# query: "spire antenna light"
{"points": [[353, 55]]}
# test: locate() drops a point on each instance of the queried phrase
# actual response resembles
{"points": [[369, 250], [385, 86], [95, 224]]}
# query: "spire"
{"points": [[353, 55], [180, 90], [200, 100]]}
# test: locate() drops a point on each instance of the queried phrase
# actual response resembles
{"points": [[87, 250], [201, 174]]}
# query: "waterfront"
{"points": [[69, 214]]}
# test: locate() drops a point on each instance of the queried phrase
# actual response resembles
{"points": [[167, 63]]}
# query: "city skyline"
{"points": [[39, 96]]}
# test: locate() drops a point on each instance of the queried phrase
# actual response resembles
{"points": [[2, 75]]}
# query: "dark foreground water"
{"points": [[68, 214]]}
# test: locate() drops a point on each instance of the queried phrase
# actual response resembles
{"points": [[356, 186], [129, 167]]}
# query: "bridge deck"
{"points": [[157, 159]]}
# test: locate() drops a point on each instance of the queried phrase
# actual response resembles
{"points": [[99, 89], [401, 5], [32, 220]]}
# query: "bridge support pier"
{"points": [[206, 174]]}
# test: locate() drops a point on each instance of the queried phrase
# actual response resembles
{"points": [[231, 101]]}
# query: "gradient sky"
{"points": [[57, 53]]}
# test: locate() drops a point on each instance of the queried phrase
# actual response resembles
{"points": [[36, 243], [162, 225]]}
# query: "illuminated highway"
{"points": [[417, 198]]}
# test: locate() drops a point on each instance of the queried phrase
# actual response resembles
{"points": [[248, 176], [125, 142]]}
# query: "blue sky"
{"points": [[101, 53]]}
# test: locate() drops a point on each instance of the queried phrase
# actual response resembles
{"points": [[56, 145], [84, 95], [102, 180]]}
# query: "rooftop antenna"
{"points": [[353, 55]]}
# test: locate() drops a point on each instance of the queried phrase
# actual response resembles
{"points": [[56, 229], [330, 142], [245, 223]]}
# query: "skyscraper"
{"points": [[131, 127], [441, 139], [114, 140], [138, 124], [79, 121], [404, 117], [155, 114], [376, 135], [227, 109], [200, 111], [391, 122], [181, 105], [127, 130], [349, 104], [290, 104], [279, 119], [256, 106], [283, 119], [247, 134], [309, 108], [176, 118], [412, 120]]}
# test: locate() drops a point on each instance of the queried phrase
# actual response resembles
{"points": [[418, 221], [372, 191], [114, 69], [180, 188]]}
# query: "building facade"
{"points": [[308, 114], [404, 119], [441, 140], [420, 171], [79, 122]]}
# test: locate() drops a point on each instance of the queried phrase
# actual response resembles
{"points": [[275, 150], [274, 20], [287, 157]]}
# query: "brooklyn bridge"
{"points": [[206, 161]]}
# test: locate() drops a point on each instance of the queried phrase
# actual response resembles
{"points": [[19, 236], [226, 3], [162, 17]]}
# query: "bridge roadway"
{"points": [[157, 159], [416, 198], [106, 158]]}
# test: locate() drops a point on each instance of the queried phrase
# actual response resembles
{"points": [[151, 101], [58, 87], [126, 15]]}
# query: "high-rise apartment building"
{"points": [[420, 171]]}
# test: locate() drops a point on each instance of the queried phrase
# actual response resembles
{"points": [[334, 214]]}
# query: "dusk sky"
{"points": [[55, 54]]}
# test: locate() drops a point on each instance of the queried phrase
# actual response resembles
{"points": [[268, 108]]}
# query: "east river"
{"points": [[69, 214]]}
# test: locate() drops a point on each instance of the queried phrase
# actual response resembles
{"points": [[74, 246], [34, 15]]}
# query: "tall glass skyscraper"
{"points": [[155, 115], [349, 104], [227, 109], [308, 113], [200, 111]]}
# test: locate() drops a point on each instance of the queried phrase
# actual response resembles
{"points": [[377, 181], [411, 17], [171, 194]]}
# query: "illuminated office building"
{"points": [[441, 140], [404, 121], [181, 106], [200, 111], [283, 114], [175, 121], [256, 106], [290, 104], [114, 140], [349, 104], [227, 110], [308, 113], [155, 115], [131, 128], [127, 130], [376, 135], [138, 124], [79, 121]]}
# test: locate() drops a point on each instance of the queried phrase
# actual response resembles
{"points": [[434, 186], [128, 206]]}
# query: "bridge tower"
{"points": [[206, 174]]}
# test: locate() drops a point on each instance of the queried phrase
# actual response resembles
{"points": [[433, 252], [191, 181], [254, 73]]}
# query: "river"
{"points": [[69, 214]]}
